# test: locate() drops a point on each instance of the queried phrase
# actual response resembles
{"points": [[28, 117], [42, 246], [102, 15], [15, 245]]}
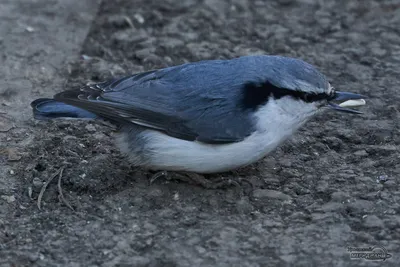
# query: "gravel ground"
{"points": [[335, 184]]}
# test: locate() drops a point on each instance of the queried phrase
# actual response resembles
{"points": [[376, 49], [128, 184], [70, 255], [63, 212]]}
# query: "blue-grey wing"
{"points": [[196, 101]]}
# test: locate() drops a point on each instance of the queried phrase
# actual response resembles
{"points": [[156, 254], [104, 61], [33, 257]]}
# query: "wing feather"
{"points": [[190, 102]]}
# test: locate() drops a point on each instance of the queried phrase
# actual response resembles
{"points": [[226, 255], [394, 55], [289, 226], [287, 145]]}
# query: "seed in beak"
{"points": [[353, 103]]}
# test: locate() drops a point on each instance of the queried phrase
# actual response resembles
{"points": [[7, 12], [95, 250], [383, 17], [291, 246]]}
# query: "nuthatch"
{"points": [[204, 117]]}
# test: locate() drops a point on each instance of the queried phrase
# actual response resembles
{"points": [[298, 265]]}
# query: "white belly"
{"points": [[157, 151], [169, 153]]}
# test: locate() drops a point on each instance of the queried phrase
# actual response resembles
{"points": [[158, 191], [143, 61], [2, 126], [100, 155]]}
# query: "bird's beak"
{"points": [[350, 100]]}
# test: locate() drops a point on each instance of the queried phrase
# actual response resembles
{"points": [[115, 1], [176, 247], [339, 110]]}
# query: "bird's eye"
{"points": [[331, 94]]}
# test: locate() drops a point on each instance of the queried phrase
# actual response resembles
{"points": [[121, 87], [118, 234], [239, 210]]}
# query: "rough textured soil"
{"points": [[334, 184]]}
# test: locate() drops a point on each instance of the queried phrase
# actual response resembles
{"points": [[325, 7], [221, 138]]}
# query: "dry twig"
{"points": [[61, 195], [39, 201]]}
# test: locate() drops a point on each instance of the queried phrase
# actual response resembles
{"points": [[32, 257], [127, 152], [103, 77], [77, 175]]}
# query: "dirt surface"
{"points": [[334, 184]]}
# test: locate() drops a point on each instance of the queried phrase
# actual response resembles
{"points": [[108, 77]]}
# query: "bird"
{"points": [[204, 117]]}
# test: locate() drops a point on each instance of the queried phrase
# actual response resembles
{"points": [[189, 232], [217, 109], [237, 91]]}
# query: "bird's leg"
{"points": [[187, 177], [198, 179], [237, 181], [157, 175], [227, 181]]}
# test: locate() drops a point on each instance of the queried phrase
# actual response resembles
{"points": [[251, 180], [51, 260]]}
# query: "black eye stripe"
{"points": [[255, 95]]}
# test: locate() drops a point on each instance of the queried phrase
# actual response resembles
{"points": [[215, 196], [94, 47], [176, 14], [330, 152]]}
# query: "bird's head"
{"points": [[296, 87]]}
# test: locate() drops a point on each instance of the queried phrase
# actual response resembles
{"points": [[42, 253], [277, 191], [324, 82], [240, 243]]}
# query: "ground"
{"points": [[333, 185]]}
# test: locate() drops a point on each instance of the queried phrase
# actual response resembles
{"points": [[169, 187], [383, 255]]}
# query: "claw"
{"points": [[198, 179], [158, 175]]}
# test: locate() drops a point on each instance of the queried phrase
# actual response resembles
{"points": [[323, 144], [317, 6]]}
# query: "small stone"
{"points": [[5, 124], [200, 249], [331, 206], [322, 186], [361, 153], [13, 154], [119, 21], [372, 221], [270, 194], [360, 206], [145, 52], [90, 128], [37, 183], [382, 178], [139, 18], [123, 245], [285, 163], [379, 52], [130, 36], [9, 199], [271, 181], [339, 196], [244, 206], [69, 137], [99, 136], [171, 43], [12, 172], [30, 29]]}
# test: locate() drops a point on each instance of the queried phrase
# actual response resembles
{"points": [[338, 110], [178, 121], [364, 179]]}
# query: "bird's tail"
{"points": [[46, 108]]}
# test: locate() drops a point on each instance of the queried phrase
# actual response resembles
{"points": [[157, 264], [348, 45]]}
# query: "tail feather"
{"points": [[46, 108]]}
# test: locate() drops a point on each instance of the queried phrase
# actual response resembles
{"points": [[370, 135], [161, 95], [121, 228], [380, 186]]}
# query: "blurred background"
{"points": [[333, 185]]}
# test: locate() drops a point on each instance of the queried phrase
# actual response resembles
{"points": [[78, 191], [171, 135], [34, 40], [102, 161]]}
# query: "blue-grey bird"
{"points": [[203, 117]]}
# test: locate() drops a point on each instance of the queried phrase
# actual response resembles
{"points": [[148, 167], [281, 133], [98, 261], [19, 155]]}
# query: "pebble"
{"points": [[119, 21], [360, 206], [331, 206], [13, 154], [361, 153], [139, 18], [90, 128], [5, 124], [9, 199], [372, 221], [171, 43], [244, 206], [379, 52], [285, 163], [130, 36], [30, 29], [37, 183], [322, 186], [145, 52], [270, 194], [339, 196], [382, 178]]}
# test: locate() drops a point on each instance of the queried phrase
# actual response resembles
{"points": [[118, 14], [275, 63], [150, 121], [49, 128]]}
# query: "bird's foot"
{"points": [[187, 177], [194, 178]]}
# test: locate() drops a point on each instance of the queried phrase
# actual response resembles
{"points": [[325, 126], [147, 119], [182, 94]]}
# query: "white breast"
{"points": [[276, 122]]}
